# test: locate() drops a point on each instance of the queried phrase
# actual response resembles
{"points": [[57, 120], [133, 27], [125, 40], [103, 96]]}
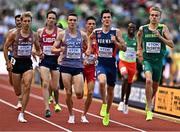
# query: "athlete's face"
{"points": [[106, 19], [72, 21], [18, 22], [154, 17], [131, 28], [26, 22], [90, 25], [51, 19]]}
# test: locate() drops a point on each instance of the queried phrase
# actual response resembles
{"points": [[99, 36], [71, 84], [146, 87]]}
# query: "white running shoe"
{"points": [[84, 119], [121, 106], [125, 110], [18, 106], [71, 119], [21, 118]]}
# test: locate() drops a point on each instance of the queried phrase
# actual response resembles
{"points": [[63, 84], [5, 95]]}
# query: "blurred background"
{"points": [[124, 12]]}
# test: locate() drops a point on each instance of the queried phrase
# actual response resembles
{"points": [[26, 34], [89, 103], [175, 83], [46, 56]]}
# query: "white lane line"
{"points": [[41, 98], [38, 117]]}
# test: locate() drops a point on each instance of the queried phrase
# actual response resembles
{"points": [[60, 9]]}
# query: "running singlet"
{"points": [[91, 58], [106, 48], [22, 47], [130, 54], [72, 56], [154, 48], [47, 40]]}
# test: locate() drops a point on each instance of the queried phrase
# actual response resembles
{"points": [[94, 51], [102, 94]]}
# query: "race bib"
{"points": [[105, 52], [130, 54], [24, 50], [74, 53], [13, 61], [89, 59], [47, 50], [153, 47]]}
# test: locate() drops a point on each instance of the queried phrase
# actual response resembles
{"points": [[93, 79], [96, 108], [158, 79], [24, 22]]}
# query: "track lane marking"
{"points": [[77, 110]]}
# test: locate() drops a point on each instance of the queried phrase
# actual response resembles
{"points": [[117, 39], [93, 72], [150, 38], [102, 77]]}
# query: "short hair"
{"points": [[131, 24], [51, 12], [155, 8], [90, 18], [26, 14], [17, 16], [72, 14], [106, 11]]}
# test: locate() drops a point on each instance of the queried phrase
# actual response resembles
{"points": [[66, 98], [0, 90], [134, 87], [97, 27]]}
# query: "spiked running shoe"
{"points": [[57, 108], [50, 100], [103, 110], [105, 120], [71, 119], [125, 110], [21, 118], [48, 113], [84, 119], [121, 106], [149, 116]]}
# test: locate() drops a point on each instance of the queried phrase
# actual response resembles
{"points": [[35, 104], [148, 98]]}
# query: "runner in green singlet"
{"points": [[152, 40]]}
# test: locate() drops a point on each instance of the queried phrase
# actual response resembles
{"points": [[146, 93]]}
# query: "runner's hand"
{"points": [[140, 55], [9, 66]]}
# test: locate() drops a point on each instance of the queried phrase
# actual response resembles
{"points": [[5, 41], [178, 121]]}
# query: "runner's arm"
{"points": [[167, 39], [139, 43], [36, 45], [9, 41], [119, 40], [86, 41], [56, 48]]}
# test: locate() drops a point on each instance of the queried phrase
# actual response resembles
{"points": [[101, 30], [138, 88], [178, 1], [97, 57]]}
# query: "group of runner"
{"points": [[76, 55]]}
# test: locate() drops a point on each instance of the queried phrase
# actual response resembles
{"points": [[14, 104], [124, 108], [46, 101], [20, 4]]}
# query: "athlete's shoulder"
{"points": [[162, 25], [124, 35], [12, 29], [59, 29], [97, 29], [41, 29], [143, 27], [114, 28]]}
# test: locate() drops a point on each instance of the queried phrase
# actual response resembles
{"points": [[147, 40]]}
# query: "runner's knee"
{"points": [[18, 93], [148, 81], [79, 95], [45, 84]]}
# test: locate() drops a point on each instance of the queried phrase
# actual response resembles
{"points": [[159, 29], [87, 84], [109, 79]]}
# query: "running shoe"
{"points": [[21, 118], [106, 120], [121, 106], [146, 107], [71, 119], [57, 108], [84, 119], [125, 110], [103, 110], [47, 113], [149, 116], [50, 100]]}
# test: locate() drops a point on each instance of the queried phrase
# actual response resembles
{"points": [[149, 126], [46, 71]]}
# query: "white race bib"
{"points": [[153, 47], [73, 53], [89, 59], [24, 50], [105, 52], [47, 50], [130, 54]]}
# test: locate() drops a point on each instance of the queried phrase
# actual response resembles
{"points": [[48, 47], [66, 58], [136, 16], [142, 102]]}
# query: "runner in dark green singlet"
{"points": [[152, 40]]}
